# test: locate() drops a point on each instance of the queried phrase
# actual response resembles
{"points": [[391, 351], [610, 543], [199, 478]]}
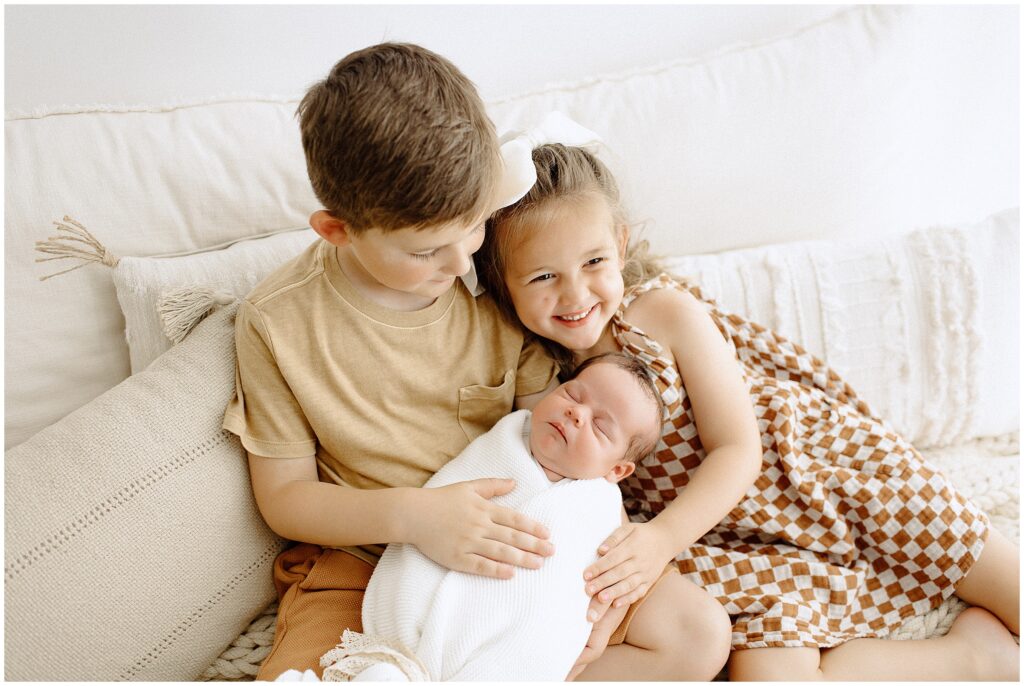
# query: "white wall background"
{"points": [[152, 54]]}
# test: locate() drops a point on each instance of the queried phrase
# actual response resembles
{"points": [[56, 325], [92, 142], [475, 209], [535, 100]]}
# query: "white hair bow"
{"points": [[517, 148], [519, 173]]}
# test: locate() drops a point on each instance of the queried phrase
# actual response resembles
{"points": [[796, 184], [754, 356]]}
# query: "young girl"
{"points": [[774, 487]]}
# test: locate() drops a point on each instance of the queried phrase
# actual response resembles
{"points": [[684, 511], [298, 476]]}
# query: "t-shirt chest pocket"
{"points": [[480, 406]]}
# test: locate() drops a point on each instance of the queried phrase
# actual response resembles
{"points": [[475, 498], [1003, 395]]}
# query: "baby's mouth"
{"points": [[559, 429]]}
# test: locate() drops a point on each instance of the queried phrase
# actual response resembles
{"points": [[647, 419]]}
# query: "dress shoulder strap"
{"points": [[635, 342], [620, 326]]}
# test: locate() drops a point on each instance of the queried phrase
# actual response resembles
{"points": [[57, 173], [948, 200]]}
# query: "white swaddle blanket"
{"points": [[464, 627]]}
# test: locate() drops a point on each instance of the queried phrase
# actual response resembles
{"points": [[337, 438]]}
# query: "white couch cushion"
{"points": [[133, 549], [923, 326], [879, 120], [146, 182]]}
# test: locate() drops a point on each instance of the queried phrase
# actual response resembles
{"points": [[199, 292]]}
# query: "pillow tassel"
{"points": [[68, 247], [183, 308]]}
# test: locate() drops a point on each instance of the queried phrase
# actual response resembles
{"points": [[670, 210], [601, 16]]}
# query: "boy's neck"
{"points": [[374, 291]]}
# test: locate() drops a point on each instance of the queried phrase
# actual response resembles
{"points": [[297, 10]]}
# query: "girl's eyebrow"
{"points": [[542, 267]]}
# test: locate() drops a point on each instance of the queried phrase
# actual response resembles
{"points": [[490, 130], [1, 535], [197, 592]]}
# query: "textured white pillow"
{"points": [[923, 326], [133, 549], [236, 269]]}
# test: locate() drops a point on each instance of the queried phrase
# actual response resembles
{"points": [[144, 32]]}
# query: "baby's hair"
{"points": [[642, 445], [397, 137], [567, 174]]}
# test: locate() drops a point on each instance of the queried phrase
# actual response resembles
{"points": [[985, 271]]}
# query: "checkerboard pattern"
{"points": [[847, 532]]}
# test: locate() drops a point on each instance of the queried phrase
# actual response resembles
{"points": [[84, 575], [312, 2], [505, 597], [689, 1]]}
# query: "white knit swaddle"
{"points": [[465, 627]]}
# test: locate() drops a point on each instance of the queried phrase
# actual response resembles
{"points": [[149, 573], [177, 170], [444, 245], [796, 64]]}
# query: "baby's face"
{"points": [[583, 428]]}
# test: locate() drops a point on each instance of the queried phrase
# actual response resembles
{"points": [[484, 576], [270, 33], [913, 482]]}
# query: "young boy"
{"points": [[364, 364], [566, 458]]}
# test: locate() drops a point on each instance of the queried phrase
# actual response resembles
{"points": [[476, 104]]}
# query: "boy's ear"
{"points": [[620, 471], [330, 228]]}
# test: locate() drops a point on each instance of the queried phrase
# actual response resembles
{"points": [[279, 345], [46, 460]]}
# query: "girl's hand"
{"points": [[631, 559], [457, 526]]}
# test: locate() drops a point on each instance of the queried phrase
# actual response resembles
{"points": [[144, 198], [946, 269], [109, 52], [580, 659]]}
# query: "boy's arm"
{"points": [[456, 526]]}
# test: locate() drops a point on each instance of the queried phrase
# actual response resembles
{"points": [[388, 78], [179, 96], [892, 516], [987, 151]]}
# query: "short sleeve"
{"points": [[536, 369], [264, 412]]}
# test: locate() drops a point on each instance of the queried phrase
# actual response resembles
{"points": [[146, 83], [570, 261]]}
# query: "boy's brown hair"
{"points": [[397, 137], [641, 445]]}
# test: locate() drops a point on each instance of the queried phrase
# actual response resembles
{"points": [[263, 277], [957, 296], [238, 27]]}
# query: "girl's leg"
{"points": [[679, 633], [994, 581], [977, 648]]}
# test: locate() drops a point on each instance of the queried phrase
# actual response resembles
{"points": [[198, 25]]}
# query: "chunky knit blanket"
{"points": [[442, 625]]}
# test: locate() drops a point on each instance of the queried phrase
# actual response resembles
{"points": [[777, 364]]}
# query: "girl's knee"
{"points": [[707, 630], [703, 626]]}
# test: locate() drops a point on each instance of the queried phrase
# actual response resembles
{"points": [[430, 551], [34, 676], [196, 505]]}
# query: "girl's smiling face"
{"points": [[565, 277]]}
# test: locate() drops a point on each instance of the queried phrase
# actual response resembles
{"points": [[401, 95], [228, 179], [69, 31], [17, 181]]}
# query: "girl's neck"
{"points": [[605, 344]]}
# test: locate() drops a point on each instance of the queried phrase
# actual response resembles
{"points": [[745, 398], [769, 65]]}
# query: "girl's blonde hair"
{"points": [[565, 174]]}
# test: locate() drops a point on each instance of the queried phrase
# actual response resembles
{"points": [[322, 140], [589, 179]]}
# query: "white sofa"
{"points": [[835, 184]]}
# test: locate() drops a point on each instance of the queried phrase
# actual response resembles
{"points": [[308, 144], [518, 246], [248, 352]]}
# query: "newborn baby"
{"points": [[423, 621]]}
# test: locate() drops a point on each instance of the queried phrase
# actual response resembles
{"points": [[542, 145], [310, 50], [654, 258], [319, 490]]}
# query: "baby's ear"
{"points": [[330, 228], [620, 471]]}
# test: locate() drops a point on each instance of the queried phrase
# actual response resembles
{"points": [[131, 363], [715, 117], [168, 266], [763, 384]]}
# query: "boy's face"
{"points": [[422, 263], [583, 428]]}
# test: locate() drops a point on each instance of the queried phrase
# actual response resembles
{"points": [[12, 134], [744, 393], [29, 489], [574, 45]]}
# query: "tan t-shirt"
{"points": [[382, 398]]}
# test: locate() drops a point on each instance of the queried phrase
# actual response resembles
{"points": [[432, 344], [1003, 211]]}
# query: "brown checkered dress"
{"points": [[846, 533]]}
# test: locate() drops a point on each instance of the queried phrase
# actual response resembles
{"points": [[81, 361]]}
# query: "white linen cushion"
{"points": [[879, 120], [133, 548], [824, 133], [923, 326], [145, 182], [236, 269]]}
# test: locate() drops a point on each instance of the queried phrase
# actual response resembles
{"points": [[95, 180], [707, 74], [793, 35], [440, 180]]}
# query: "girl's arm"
{"points": [[634, 556], [457, 526]]}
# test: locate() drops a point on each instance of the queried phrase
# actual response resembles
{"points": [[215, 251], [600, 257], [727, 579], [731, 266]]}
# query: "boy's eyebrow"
{"points": [[473, 227]]}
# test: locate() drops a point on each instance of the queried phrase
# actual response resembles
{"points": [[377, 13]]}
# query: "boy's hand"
{"points": [[457, 526], [631, 559]]}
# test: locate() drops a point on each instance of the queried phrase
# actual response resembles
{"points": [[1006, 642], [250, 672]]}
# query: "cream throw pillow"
{"points": [[234, 270], [133, 548]]}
